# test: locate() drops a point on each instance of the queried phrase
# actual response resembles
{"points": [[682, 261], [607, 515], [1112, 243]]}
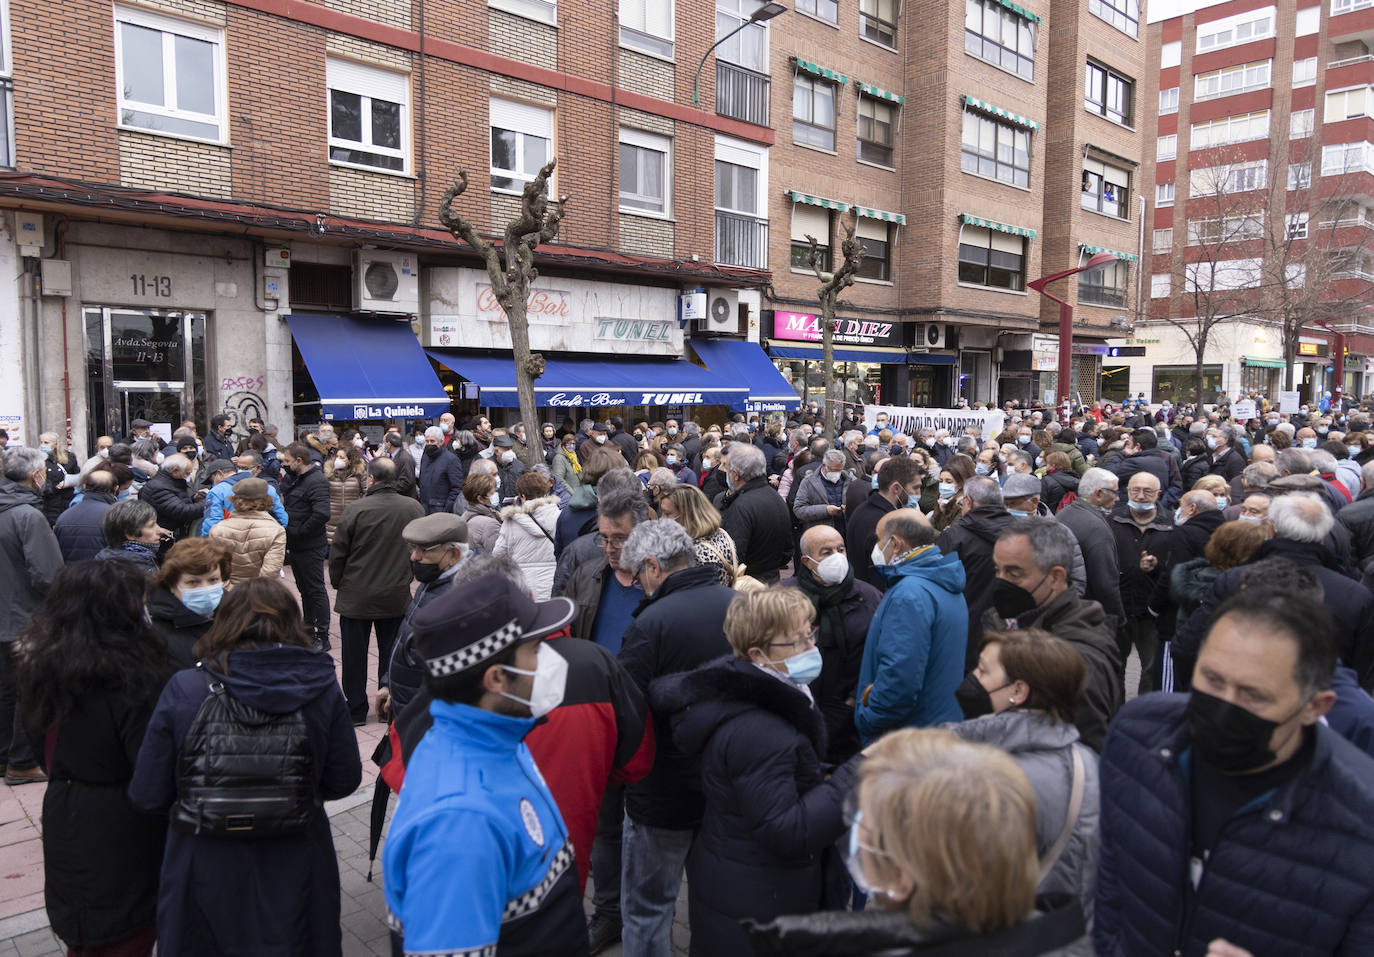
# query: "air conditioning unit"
{"points": [[722, 312], [385, 281], [934, 335]]}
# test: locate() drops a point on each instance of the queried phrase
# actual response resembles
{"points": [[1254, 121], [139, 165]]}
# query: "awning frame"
{"points": [[1092, 250], [816, 70], [880, 214], [1018, 9], [797, 196], [971, 220], [999, 112], [868, 89]]}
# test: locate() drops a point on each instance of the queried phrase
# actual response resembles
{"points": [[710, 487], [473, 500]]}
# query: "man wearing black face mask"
{"points": [[1233, 813]]}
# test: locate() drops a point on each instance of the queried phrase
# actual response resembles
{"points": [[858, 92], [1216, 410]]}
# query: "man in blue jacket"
{"points": [[914, 653], [1233, 813]]}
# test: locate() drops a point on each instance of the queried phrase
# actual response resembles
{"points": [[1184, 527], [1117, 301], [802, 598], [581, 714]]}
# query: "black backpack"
{"points": [[243, 773]]}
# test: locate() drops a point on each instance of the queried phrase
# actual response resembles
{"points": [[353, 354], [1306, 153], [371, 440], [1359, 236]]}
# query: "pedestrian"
{"points": [[369, 568], [754, 516], [79, 530], [1227, 460], [844, 609], [241, 753], [567, 467], [186, 592], [257, 542], [949, 500], [972, 539], [1022, 698], [492, 865], [89, 673], [483, 514], [223, 476], [132, 534], [686, 505], [942, 837], [63, 474], [580, 516], [1144, 540], [307, 506], [441, 474], [1215, 800], [169, 493], [770, 811], [347, 475], [914, 654], [1058, 482], [820, 497], [527, 529], [394, 447], [219, 438], [1230, 546], [509, 468], [1088, 517]]}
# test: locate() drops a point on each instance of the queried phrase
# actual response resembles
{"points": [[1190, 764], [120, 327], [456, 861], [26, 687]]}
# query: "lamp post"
{"points": [[766, 12], [1066, 327]]}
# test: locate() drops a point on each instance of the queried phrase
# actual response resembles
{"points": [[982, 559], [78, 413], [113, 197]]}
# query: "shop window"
{"points": [[813, 111], [1108, 94], [995, 149], [1122, 14], [645, 172], [369, 116], [1106, 189], [647, 26], [1232, 79], [1108, 286], [877, 125], [1000, 36], [811, 221], [521, 143], [1168, 101], [878, 21], [875, 236], [827, 10], [170, 75], [1182, 380], [989, 257]]}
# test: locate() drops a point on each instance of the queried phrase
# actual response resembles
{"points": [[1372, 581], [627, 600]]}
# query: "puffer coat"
{"points": [[527, 537], [345, 488], [258, 542]]}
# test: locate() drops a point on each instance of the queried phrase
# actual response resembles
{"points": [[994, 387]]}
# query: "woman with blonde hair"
{"points": [[942, 837], [771, 812], [689, 507], [347, 474], [254, 537], [483, 515]]}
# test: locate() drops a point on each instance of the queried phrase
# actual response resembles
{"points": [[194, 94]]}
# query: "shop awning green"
{"points": [[1261, 362], [1017, 8], [1094, 250], [997, 111], [883, 215], [871, 90], [821, 201], [1000, 227], [807, 67]]}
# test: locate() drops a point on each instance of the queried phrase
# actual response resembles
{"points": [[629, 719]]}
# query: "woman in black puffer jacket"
{"points": [[771, 814], [1196, 462]]}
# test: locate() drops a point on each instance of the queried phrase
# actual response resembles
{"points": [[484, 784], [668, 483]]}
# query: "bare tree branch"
{"points": [[828, 294]]}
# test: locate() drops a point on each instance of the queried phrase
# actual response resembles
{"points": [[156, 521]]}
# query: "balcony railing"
{"points": [[741, 94], [741, 240], [1350, 61]]}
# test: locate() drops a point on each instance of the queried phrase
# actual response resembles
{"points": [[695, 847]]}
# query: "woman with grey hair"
{"points": [[820, 495], [132, 534]]}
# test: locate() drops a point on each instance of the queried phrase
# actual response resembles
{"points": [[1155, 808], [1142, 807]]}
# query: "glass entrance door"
{"points": [[166, 410]]}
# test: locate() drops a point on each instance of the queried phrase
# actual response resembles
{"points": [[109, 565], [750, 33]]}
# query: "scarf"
{"points": [[827, 599], [576, 465]]}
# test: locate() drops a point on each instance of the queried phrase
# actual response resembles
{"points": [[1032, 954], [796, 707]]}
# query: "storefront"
{"points": [[1261, 374], [144, 364], [870, 357]]}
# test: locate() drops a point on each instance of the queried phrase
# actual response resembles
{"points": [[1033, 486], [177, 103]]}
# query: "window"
{"points": [[1160, 285], [1001, 36], [1347, 158], [1168, 101], [1242, 28], [1233, 178], [521, 143], [1233, 79], [368, 116], [645, 172], [1300, 124], [1166, 147], [1163, 240], [990, 257], [1304, 72], [1295, 226], [1309, 21], [995, 149], [1171, 54], [1226, 229], [877, 123], [1299, 175], [1108, 94], [1349, 104], [1353, 264], [1164, 194], [1122, 14], [741, 203], [170, 75], [811, 221], [1106, 189], [747, 48], [878, 21], [1106, 286], [1222, 275], [813, 111], [545, 11], [647, 26], [1230, 129], [1345, 6], [875, 236], [7, 158], [827, 10]]}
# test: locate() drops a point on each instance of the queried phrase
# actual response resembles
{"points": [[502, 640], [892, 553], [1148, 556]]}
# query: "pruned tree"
{"points": [[832, 284], [512, 273]]}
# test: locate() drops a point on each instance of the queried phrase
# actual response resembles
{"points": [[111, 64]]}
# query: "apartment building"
{"points": [[1262, 114]]}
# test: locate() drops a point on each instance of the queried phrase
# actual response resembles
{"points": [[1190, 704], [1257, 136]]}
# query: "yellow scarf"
{"points": [[572, 457]]}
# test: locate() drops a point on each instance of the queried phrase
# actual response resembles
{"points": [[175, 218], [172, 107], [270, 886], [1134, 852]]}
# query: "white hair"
{"points": [[434, 432], [1095, 480], [1301, 517]]}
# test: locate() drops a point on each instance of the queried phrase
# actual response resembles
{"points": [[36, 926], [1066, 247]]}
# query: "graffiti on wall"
{"points": [[243, 401]]}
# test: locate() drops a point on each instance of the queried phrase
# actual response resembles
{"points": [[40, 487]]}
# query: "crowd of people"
{"points": [[865, 692]]}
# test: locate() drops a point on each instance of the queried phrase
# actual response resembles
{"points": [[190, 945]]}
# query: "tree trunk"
{"points": [[525, 374], [1290, 355], [828, 365]]}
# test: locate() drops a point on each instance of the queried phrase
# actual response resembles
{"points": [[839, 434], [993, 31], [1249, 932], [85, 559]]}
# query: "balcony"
{"points": [[741, 94], [741, 240]]}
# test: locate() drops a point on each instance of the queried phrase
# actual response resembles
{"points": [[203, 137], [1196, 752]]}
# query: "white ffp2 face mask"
{"points": [[832, 569], [550, 680]]}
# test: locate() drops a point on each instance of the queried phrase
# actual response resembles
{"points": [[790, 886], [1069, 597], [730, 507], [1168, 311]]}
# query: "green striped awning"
{"points": [[1016, 118], [1256, 362], [886, 217], [870, 90], [1094, 250], [1017, 8], [820, 201], [1000, 227], [808, 67]]}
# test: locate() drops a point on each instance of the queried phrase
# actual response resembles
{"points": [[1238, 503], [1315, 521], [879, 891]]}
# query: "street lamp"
{"points": [[766, 12], [1066, 327]]}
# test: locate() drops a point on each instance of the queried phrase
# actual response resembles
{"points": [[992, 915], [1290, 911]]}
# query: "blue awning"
{"points": [[738, 361], [576, 383], [367, 368], [841, 355], [931, 359]]}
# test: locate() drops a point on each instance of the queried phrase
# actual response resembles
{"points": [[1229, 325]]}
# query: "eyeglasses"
{"points": [[615, 541], [803, 640]]}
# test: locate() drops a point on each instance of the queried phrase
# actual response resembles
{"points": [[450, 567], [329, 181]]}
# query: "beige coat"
{"points": [[526, 536], [258, 542], [346, 486]]}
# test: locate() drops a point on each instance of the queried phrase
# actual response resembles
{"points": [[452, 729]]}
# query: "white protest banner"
{"points": [[910, 421], [1288, 402], [1243, 410]]}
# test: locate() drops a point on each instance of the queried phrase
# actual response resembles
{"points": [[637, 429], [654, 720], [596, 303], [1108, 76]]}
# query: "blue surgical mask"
{"points": [[1251, 518], [1178, 516], [875, 481], [947, 490], [123, 496], [672, 459], [1140, 506], [913, 501], [203, 601], [1212, 442], [1354, 450], [1018, 513], [1309, 443], [45, 449], [1222, 501], [982, 468], [803, 667]]}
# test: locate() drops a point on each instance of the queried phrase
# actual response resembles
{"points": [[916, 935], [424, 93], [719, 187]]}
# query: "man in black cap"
{"points": [[508, 465], [138, 429], [624, 440], [600, 436], [478, 857]]}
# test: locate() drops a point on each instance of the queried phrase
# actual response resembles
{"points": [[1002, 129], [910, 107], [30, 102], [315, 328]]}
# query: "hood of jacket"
{"points": [[986, 522], [1019, 731], [583, 497], [13, 494], [943, 571], [698, 702], [279, 679], [528, 509], [1192, 580], [163, 605], [537, 516]]}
